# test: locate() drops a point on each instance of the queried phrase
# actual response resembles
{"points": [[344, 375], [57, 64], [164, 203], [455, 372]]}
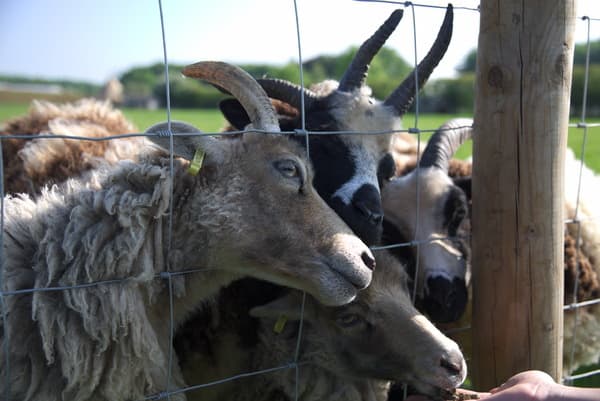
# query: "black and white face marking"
{"points": [[345, 167], [346, 178], [442, 264], [455, 210], [386, 169]]}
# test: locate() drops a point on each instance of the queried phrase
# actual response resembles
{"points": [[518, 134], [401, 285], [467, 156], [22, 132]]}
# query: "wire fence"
{"points": [[296, 363], [577, 306]]}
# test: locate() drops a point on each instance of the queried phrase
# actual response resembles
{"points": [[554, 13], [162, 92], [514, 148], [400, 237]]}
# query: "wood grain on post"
{"points": [[524, 70]]}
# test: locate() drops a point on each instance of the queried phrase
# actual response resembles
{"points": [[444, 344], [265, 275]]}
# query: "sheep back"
{"points": [[70, 336]]}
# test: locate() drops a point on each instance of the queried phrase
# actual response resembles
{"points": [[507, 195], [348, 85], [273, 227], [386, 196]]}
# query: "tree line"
{"points": [[388, 69]]}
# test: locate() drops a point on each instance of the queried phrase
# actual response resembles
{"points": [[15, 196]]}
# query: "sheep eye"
{"points": [[287, 168], [291, 169], [349, 320]]}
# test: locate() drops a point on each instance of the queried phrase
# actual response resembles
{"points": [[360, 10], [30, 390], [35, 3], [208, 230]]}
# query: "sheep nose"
{"points": [[453, 368], [367, 200], [445, 301], [368, 260], [374, 217]]}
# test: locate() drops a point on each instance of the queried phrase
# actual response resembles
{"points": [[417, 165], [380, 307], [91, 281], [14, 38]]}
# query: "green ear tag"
{"points": [[280, 324], [196, 163]]}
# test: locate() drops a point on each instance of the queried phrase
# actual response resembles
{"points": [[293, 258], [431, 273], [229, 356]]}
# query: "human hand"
{"points": [[528, 385], [461, 394]]}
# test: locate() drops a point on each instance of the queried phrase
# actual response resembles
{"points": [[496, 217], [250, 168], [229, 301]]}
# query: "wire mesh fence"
{"points": [[296, 364]]}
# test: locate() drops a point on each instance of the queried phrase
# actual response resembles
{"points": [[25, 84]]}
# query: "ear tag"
{"points": [[196, 163], [280, 324]]}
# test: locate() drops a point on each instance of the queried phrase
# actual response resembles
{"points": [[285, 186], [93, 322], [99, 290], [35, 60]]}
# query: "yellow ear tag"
{"points": [[196, 163], [280, 324]]}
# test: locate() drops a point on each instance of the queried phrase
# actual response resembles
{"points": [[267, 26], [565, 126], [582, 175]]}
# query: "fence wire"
{"points": [[169, 274], [576, 305]]}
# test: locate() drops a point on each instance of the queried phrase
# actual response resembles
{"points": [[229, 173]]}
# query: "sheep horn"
{"points": [[288, 92], [356, 74], [402, 98], [242, 86], [444, 143]]}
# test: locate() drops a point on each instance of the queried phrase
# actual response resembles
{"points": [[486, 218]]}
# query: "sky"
{"points": [[95, 40]]}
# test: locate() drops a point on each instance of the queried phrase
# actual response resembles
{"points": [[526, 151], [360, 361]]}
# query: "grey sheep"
{"points": [[348, 353], [251, 211]]}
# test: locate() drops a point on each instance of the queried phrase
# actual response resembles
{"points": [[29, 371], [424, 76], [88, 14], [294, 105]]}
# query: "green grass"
{"points": [[204, 119], [207, 120], [213, 121], [9, 110]]}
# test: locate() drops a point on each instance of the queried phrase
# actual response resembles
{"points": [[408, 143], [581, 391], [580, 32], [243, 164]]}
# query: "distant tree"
{"points": [[581, 51], [449, 95], [469, 62], [593, 90]]}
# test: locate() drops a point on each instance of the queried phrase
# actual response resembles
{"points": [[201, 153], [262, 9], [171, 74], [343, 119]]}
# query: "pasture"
{"points": [[211, 120]]}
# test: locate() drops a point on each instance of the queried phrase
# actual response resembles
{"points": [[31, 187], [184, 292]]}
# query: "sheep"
{"points": [[109, 340], [580, 262], [31, 163], [582, 327], [346, 166], [439, 264], [346, 353]]}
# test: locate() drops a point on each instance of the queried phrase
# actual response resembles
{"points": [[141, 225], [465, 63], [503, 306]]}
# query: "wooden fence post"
{"points": [[524, 66]]}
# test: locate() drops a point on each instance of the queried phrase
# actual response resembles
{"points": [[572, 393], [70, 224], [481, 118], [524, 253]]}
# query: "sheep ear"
{"points": [[289, 305], [234, 112], [183, 146]]}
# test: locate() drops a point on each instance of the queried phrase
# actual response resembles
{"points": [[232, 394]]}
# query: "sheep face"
{"points": [[351, 188], [272, 223], [345, 165], [439, 267], [379, 336], [303, 243]]}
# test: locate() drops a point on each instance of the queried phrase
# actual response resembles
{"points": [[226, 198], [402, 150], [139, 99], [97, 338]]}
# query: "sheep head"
{"points": [[273, 224], [441, 267], [380, 335], [346, 166]]}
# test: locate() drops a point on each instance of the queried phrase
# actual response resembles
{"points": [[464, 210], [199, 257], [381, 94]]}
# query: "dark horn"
{"points": [[288, 92], [356, 74], [402, 98], [242, 86], [444, 143]]}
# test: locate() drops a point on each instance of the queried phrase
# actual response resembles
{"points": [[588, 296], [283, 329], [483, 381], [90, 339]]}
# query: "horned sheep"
{"points": [[345, 353], [425, 205], [347, 166], [72, 333], [581, 256]]}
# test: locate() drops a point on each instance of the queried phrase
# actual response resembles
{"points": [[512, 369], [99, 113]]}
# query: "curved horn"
{"points": [[356, 74], [445, 141], [242, 86], [403, 96], [288, 92]]}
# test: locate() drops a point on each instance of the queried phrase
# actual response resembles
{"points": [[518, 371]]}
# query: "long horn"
{"points": [[288, 92], [242, 86], [445, 141], [356, 74], [402, 98]]}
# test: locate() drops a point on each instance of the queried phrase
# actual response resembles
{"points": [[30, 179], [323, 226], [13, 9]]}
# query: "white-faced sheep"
{"points": [[347, 353], [580, 259], [346, 166], [110, 341], [425, 205], [30, 164]]}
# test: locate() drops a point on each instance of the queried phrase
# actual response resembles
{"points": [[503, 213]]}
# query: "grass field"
{"points": [[212, 121]]}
